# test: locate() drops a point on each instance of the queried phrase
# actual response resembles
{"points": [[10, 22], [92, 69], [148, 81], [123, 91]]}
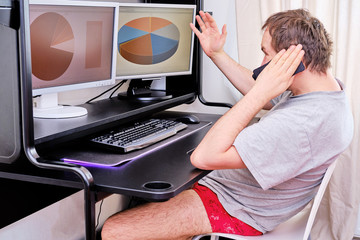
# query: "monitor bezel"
{"points": [[84, 85], [152, 76]]}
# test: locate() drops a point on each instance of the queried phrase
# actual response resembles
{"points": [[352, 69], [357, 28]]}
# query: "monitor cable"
{"points": [[114, 88]]}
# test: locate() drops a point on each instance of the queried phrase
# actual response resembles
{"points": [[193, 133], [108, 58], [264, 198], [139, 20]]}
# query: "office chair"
{"points": [[296, 228]]}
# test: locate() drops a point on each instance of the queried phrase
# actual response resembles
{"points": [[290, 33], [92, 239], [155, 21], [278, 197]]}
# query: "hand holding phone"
{"points": [[258, 70]]}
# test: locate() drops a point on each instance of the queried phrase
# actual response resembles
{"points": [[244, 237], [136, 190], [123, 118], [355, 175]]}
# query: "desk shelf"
{"points": [[169, 164], [101, 115]]}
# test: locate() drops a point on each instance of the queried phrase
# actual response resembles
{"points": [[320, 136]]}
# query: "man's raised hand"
{"points": [[211, 40]]}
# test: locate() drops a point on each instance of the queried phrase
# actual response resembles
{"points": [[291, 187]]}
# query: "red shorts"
{"points": [[220, 220]]}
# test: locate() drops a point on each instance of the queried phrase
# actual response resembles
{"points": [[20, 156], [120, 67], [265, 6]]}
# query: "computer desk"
{"points": [[158, 175]]}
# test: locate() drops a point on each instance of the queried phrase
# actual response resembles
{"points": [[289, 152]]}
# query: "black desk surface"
{"points": [[159, 175], [156, 176]]}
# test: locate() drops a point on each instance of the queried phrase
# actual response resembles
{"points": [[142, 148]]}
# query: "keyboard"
{"points": [[137, 135]]}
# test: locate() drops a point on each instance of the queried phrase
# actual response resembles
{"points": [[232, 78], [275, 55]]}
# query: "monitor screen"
{"points": [[72, 44], [72, 47], [154, 40]]}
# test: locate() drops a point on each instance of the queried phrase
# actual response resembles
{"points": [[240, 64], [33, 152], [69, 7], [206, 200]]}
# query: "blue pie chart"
{"points": [[148, 40]]}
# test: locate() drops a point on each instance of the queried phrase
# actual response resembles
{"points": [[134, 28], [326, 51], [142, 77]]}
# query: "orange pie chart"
{"points": [[52, 46]]}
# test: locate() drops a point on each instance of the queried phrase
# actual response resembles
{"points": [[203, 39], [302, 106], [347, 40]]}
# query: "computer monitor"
{"points": [[72, 47], [154, 41]]}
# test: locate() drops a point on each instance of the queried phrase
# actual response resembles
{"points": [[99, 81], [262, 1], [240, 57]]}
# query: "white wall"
{"points": [[64, 219]]}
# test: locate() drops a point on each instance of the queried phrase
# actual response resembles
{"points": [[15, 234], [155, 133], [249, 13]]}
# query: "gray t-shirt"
{"points": [[286, 153]]}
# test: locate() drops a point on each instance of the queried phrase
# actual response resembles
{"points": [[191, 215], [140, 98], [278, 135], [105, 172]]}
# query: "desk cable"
{"points": [[98, 216]]}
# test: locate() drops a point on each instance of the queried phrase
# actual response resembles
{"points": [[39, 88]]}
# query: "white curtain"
{"points": [[337, 216]]}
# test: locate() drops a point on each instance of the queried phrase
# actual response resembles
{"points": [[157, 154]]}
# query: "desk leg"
{"points": [[90, 201]]}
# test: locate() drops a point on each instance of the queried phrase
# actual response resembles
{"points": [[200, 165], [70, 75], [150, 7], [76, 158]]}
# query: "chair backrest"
{"points": [[317, 199], [297, 227]]}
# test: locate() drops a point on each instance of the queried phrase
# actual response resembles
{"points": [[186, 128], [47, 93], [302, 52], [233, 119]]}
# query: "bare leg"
{"points": [[178, 218]]}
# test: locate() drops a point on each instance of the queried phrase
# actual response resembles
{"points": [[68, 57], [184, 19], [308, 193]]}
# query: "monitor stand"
{"points": [[46, 106], [140, 90]]}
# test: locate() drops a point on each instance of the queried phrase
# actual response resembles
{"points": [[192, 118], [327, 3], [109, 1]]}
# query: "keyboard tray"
{"points": [[81, 152]]}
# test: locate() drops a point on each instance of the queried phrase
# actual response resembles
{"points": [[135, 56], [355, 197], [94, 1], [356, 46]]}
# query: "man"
{"points": [[269, 171]]}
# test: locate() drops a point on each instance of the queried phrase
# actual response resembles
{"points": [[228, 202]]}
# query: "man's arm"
{"points": [[212, 42], [216, 150]]}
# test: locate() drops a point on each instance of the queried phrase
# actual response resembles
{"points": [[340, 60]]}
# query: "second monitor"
{"points": [[154, 41]]}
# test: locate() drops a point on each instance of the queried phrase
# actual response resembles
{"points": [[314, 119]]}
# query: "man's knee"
{"points": [[108, 230]]}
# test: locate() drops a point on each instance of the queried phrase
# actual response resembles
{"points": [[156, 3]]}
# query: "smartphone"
{"points": [[258, 70]]}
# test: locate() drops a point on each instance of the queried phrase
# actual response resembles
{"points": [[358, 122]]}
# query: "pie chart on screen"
{"points": [[52, 46], [148, 40]]}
